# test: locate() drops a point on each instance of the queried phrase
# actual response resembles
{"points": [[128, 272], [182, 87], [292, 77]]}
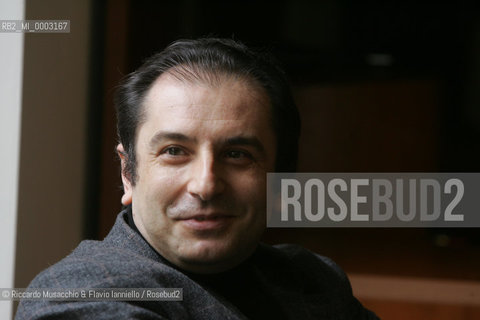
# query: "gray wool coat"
{"points": [[305, 285]]}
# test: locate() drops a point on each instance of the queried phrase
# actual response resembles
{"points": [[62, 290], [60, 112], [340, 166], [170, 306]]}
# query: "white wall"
{"points": [[53, 143], [43, 122], [11, 64]]}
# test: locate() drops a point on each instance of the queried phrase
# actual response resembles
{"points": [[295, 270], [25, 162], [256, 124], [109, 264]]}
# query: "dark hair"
{"points": [[206, 60]]}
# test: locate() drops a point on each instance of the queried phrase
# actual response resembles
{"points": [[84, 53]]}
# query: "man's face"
{"points": [[202, 157]]}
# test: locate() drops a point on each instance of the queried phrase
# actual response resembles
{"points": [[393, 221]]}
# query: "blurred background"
{"points": [[382, 86]]}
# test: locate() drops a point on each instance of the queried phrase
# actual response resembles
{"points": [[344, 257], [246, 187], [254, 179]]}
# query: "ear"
{"points": [[127, 186]]}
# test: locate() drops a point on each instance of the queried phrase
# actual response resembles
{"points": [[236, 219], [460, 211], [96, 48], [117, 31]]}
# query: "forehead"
{"points": [[228, 99]]}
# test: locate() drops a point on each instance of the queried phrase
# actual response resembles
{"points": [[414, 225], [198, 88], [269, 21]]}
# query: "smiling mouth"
{"points": [[203, 218], [207, 222]]}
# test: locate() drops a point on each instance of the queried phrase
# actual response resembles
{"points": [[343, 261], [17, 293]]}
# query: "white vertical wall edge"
{"points": [[11, 66]]}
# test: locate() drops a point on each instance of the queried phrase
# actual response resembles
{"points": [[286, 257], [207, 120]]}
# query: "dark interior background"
{"points": [[383, 86]]}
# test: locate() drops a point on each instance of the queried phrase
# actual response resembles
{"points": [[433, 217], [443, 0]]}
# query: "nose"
{"points": [[205, 181]]}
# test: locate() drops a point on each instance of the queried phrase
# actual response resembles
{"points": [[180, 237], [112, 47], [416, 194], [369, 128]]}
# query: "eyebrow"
{"points": [[161, 136], [246, 141]]}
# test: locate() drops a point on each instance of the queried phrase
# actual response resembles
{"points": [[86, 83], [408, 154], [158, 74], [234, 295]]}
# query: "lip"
{"points": [[207, 222]]}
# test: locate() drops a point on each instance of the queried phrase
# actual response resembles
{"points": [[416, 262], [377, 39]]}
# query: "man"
{"points": [[200, 125]]}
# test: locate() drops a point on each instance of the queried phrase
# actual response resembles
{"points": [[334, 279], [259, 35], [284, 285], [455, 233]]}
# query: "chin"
{"points": [[214, 256]]}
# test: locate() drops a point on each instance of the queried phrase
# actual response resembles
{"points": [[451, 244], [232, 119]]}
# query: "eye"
{"points": [[236, 154], [239, 157], [173, 151]]}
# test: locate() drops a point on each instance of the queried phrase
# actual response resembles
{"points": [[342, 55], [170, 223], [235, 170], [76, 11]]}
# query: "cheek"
{"points": [[250, 188], [159, 188]]}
